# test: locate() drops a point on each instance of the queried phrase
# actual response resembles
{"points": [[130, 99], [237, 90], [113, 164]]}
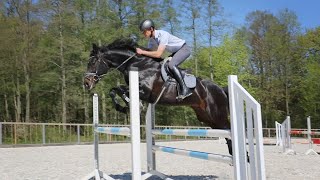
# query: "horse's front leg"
{"points": [[123, 92]]}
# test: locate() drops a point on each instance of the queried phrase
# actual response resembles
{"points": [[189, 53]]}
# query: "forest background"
{"points": [[45, 46]]}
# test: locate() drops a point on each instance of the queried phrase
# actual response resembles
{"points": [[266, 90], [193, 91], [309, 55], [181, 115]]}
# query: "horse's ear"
{"points": [[134, 38], [95, 48]]}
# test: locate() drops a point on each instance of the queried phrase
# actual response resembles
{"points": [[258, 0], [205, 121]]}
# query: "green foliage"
{"points": [[273, 59], [309, 87]]}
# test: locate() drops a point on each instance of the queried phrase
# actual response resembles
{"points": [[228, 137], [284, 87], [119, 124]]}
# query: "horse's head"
{"points": [[102, 59], [98, 65]]}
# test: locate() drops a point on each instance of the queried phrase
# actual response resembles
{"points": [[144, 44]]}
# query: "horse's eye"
{"points": [[96, 78], [92, 60]]}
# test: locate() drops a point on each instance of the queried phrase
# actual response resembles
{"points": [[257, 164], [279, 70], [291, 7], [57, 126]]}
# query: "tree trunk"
{"points": [[17, 101], [86, 107], [210, 40], [26, 62], [195, 44], [104, 108], [63, 71], [6, 108], [27, 85], [287, 73]]}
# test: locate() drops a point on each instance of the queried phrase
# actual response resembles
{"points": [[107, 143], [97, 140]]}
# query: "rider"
{"points": [[159, 41]]}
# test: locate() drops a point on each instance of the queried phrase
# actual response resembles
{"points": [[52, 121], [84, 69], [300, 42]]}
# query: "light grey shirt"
{"points": [[172, 43]]}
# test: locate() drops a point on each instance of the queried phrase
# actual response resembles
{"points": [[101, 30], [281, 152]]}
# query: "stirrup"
{"points": [[182, 97]]}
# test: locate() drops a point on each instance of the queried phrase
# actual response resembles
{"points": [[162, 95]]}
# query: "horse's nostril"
{"points": [[86, 84]]}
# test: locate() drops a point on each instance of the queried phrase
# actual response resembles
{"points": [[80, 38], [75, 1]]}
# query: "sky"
{"points": [[307, 11]]}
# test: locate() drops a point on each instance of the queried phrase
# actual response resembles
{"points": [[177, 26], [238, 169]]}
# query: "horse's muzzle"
{"points": [[87, 84], [89, 81]]}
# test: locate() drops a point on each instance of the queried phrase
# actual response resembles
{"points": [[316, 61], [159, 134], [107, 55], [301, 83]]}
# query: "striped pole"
{"points": [[114, 130], [195, 154], [194, 132]]}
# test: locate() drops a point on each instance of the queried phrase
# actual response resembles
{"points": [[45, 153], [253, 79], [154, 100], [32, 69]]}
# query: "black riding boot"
{"points": [[184, 90]]}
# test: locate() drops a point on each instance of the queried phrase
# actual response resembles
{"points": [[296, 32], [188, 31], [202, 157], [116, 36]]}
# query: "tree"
{"points": [[192, 9], [309, 54], [272, 42], [213, 10]]}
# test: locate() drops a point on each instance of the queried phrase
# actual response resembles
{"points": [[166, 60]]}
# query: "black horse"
{"points": [[209, 101]]}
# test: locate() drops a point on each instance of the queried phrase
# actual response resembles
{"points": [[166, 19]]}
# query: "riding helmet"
{"points": [[146, 24]]}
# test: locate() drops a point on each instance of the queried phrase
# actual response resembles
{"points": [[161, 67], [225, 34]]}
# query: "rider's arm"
{"points": [[155, 54]]}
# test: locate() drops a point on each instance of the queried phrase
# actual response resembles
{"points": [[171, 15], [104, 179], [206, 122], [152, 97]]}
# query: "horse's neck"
{"points": [[147, 67]]}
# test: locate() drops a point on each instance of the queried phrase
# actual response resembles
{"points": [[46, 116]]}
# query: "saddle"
{"points": [[167, 77]]}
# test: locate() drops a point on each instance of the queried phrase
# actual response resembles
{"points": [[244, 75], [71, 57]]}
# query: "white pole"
{"points": [[243, 110], [95, 105], [278, 134], [149, 138], [0, 133], [289, 132], [311, 150], [135, 123], [309, 132]]}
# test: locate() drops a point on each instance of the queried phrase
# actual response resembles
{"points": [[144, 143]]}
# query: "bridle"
{"points": [[96, 76]]}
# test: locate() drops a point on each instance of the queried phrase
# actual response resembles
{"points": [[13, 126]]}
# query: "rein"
{"points": [[125, 61]]}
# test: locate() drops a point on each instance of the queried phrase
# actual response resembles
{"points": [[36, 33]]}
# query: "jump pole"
{"points": [[134, 131], [249, 115]]}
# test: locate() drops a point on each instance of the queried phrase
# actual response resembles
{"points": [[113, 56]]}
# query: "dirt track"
{"points": [[75, 162]]}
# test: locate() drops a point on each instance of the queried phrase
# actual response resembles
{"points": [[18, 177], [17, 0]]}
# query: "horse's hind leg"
{"points": [[229, 143]]}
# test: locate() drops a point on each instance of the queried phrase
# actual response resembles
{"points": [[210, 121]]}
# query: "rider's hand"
{"points": [[139, 51]]}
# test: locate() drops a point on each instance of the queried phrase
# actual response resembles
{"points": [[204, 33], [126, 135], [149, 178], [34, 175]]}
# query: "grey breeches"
{"points": [[180, 56]]}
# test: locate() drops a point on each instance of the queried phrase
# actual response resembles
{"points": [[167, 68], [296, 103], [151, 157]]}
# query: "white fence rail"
{"points": [[15, 134]]}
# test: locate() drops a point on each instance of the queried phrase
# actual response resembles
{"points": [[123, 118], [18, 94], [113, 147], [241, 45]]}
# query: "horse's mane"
{"points": [[125, 44]]}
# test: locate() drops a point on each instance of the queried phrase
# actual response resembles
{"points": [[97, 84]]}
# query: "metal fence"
{"points": [[12, 133]]}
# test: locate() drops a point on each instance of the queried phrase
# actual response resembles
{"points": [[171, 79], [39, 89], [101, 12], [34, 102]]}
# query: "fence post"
{"points": [[78, 133], [0, 132], [43, 134], [15, 133]]}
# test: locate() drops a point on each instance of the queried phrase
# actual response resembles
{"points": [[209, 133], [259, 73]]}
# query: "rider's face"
{"points": [[147, 33]]}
